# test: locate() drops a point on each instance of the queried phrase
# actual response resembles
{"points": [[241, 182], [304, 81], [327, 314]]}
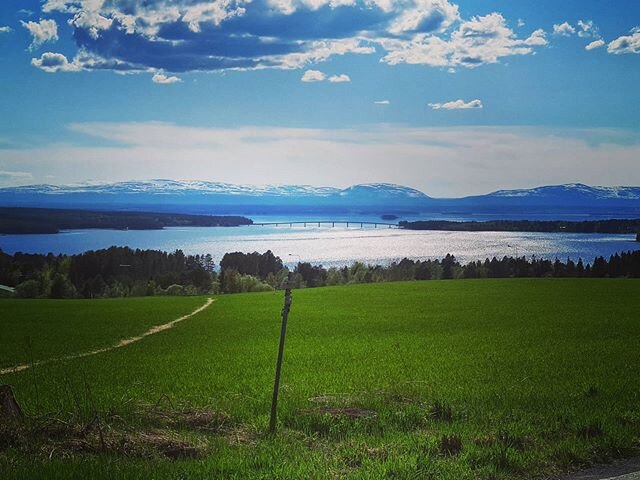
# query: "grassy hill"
{"points": [[489, 379]]}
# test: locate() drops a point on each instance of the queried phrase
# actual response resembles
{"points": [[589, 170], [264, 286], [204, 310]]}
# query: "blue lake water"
{"points": [[331, 246]]}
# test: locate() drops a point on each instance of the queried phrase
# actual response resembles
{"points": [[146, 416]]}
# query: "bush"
{"points": [[28, 289], [174, 290]]}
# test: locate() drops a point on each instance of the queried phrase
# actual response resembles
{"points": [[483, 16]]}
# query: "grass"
{"points": [[40, 329], [488, 379]]}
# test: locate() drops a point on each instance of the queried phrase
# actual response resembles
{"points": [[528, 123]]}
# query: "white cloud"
{"points": [[434, 15], [479, 41], [595, 44], [318, 76], [563, 29], [83, 61], [456, 105], [202, 35], [521, 23], [313, 76], [339, 78], [538, 38], [54, 62], [382, 102], [41, 32], [439, 161], [586, 29], [213, 12], [164, 79], [91, 21], [626, 43], [5, 29]]}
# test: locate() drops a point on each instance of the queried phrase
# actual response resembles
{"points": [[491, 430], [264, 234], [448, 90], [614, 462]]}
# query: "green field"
{"points": [[488, 379]]}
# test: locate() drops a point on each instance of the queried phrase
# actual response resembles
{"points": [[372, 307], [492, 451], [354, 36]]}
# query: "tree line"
{"points": [[121, 271], [18, 220], [112, 272], [587, 226]]}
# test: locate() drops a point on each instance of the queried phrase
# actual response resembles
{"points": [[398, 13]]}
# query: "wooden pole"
{"points": [[283, 334]]}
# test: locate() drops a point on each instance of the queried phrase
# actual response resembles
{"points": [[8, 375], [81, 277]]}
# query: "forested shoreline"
{"points": [[122, 272], [53, 220], [616, 226]]}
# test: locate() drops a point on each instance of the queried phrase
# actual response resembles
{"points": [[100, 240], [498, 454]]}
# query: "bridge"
{"points": [[332, 223]]}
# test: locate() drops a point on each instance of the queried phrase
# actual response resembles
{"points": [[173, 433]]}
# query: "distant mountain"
{"points": [[217, 197], [573, 191], [201, 196]]}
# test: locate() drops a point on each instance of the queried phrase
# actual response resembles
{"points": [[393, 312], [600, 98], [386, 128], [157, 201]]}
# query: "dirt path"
{"points": [[122, 343]]}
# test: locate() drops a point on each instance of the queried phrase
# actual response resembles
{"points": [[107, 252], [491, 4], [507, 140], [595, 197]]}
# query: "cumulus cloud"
{"points": [[563, 29], [5, 29], [83, 61], [313, 76], [586, 29], [595, 44], [479, 41], [41, 32], [382, 102], [342, 78], [456, 105], [318, 76], [54, 62], [199, 35], [583, 28], [626, 43], [164, 79]]}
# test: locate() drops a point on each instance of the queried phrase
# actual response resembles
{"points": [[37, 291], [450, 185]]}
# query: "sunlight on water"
{"points": [[331, 246]]}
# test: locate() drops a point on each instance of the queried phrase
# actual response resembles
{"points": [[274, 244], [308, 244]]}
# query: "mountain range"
{"points": [[216, 197]]}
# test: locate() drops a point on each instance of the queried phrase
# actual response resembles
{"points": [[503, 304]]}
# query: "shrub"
{"points": [[175, 290], [28, 289]]}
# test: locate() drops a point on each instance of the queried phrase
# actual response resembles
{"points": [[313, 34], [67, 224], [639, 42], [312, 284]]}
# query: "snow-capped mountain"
{"points": [[160, 192], [573, 190], [174, 187], [204, 196]]}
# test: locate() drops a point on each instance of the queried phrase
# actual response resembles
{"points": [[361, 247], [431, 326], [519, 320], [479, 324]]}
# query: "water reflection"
{"points": [[332, 246]]}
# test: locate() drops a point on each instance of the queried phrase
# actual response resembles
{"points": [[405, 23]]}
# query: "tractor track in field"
{"points": [[122, 343]]}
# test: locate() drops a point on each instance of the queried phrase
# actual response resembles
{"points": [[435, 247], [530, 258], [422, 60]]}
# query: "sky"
{"points": [[451, 97]]}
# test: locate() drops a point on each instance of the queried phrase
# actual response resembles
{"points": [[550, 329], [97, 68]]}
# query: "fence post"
{"points": [[283, 333]]}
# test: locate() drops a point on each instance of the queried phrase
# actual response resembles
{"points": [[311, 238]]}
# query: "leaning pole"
{"points": [[283, 334]]}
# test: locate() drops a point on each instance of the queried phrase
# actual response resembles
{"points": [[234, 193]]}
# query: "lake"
{"points": [[329, 246]]}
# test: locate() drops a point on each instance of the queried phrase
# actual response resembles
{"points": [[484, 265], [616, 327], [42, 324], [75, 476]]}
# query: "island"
{"points": [[52, 220]]}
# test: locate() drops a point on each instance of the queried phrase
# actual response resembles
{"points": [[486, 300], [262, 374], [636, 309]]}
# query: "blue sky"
{"points": [[451, 97]]}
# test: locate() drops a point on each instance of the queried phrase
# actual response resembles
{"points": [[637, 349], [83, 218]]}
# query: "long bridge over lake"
{"points": [[331, 223]]}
